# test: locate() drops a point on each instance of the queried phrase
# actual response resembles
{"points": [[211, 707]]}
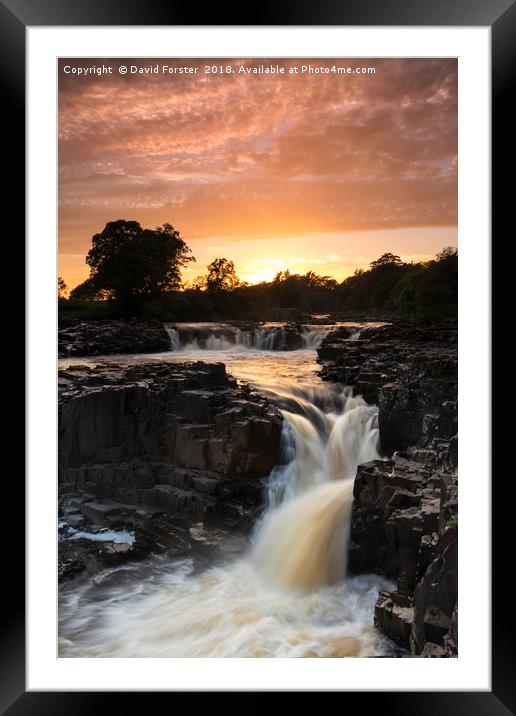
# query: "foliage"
{"points": [[386, 260], [424, 292], [222, 276], [62, 288], [130, 264], [428, 293], [88, 310], [138, 271]]}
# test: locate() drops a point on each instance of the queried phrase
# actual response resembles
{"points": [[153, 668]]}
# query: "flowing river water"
{"points": [[286, 594]]}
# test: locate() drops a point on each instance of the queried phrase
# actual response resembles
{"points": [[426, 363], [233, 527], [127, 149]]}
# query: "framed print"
{"points": [[259, 390]]}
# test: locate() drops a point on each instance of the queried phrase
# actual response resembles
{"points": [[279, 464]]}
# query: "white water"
{"points": [[227, 337], [287, 595]]}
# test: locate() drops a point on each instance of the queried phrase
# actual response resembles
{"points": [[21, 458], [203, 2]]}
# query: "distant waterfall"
{"points": [[225, 337], [175, 341]]}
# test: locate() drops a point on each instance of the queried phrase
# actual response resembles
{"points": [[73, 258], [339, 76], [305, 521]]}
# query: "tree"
{"points": [[130, 264], [222, 276], [386, 260], [449, 253], [282, 276], [196, 284], [428, 291], [88, 291], [315, 281], [62, 288]]}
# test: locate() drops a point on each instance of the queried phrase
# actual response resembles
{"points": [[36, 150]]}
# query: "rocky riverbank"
{"points": [[171, 455], [117, 337], [93, 338], [164, 457], [405, 515]]}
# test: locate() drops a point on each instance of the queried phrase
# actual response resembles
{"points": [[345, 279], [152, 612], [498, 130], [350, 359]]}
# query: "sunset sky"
{"points": [[320, 172]]}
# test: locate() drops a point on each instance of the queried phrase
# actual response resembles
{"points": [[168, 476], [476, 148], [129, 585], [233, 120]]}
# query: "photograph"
{"points": [[257, 357]]}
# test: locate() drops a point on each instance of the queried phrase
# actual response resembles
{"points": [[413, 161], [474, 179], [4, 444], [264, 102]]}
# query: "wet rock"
{"points": [[76, 556], [393, 615], [76, 521], [164, 533], [386, 522], [451, 640], [114, 553], [212, 542], [435, 597], [410, 372], [290, 338], [433, 651], [81, 338], [436, 625], [177, 439], [404, 525], [404, 515], [399, 417]]}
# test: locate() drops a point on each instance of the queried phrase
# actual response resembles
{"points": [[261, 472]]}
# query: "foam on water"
{"points": [[288, 595]]}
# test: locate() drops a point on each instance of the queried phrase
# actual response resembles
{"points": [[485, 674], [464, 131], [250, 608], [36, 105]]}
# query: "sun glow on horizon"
{"points": [[334, 254], [273, 173]]}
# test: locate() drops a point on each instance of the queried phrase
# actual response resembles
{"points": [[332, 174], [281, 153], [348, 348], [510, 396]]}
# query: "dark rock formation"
{"points": [[408, 371], [394, 615], [180, 440], [404, 515], [404, 525], [81, 338], [289, 337]]}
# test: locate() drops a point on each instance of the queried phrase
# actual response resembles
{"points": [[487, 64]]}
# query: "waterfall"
{"points": [[287, 594], [303, 544], [175, 341], [226, 337], [302, 540], [355, 336], [313, 336]]}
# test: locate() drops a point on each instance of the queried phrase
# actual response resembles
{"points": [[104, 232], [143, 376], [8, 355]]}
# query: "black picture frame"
{"points": [[500, 16]]}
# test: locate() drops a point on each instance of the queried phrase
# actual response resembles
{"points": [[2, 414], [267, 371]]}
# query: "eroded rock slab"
{"points": [[179, 440], [404, 515]]}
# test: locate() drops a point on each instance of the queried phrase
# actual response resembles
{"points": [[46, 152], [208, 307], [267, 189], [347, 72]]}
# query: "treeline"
{"points": [[136, 271], [424, 292]]}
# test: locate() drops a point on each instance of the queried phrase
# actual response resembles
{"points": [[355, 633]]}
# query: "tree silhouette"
{"points": [[62, 288], [222, 276], [130, 264], [449, 253], [141, 268], [386, 260]]}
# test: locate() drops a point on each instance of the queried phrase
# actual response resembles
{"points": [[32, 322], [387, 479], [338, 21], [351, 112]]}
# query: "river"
{"points": [[285, 593]]}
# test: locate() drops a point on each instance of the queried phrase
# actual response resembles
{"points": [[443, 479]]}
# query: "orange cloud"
{"points": [[233, 155]]}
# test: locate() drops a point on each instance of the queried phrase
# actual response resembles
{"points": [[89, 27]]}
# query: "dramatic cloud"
{"points": [[235, 160]]}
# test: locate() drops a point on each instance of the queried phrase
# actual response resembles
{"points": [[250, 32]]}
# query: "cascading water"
{"points": [[287, 595], [224, 337], [302, 541]]}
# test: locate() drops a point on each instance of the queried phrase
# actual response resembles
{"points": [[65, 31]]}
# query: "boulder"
{"points": [[393, 615]]}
